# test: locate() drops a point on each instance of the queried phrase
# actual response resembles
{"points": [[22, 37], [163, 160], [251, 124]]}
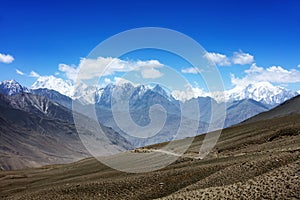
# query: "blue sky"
{"points": [[41, 35]]}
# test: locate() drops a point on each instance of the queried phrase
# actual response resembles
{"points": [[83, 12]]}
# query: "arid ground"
{"points": [[259, 160]]}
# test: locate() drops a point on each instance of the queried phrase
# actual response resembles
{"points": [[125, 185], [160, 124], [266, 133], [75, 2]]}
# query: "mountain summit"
{"points": [[12, 87], [263, 92]]}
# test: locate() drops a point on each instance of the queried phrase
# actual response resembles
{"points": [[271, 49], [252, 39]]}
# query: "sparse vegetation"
{"points": [[245, 163]]}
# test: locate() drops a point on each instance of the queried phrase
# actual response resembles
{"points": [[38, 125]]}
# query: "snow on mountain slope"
{"points": [[12, 87], [86, 94], [53, 83], [263, 92]]}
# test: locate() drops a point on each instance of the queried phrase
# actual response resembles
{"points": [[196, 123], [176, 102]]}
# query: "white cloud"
{"points": [[151, 73], [70, 71], [6, 58], [188, 93], [242, 58], [34, 74], [218, 59], [19, 72], [149, 68], [190, 70], [298, 65], [273, 74], [31, 74], [239, 58], [105, 66]]}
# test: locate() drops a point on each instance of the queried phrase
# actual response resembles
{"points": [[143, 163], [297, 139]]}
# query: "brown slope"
{"points": [[35, 139], [246, 158], [28, 140], [289, 107]]}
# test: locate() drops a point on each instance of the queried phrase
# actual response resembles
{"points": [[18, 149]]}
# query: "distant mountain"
{"points": [[206, 104], [236, 111], [143, 98], [139, 101], [112, 91], [53, 83], [81, 92], [263, 92], [38, 105], [289, 107], [12, 87], [240, 102], [239, 111]]}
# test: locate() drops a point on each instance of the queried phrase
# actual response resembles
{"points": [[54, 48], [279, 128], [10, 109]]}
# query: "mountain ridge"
{"points": [[263, 92], [35, 131], [289, 107]]}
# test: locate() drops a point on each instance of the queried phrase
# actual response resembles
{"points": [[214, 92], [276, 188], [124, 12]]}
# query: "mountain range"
{"points": [[240, 105], [263, 92]]}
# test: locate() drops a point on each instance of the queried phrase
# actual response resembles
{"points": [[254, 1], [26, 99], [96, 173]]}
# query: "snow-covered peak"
{"points": [[139, 91], [64, 87], [85, 93], [12, 87], [263, 92], [190, 93], [158, 89]]}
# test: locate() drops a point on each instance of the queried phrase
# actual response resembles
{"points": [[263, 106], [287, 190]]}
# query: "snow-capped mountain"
{"points": [[120, 92], [132, 93], [53, 83], [158, 89], [240, 102], [263, 92], [86, 94], [12, 87], [140, 91]]}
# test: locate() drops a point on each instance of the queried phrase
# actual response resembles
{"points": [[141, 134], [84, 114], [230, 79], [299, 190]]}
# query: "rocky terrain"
{"points": [[258, 160], [35, 131]]}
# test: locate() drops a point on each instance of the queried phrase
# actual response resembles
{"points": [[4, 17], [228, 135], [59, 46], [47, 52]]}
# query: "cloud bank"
{"points": [[273, 74], [106, 66], [238, 58]]}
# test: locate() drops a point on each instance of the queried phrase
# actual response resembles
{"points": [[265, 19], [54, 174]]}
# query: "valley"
{"points": [[43, 157], [257, 160]]}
